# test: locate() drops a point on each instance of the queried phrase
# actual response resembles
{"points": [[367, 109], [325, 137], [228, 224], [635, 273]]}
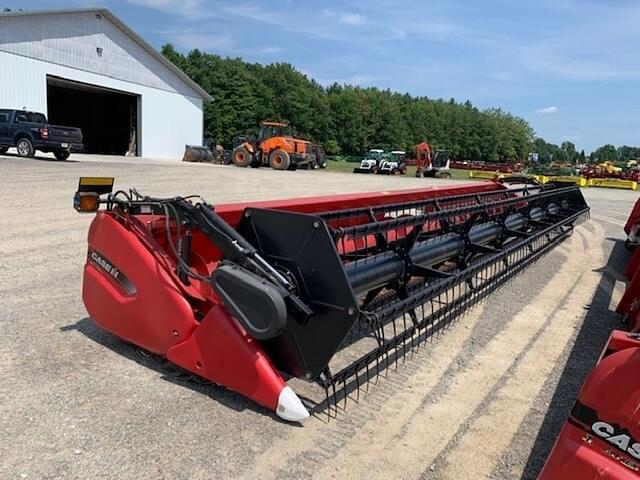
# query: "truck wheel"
{"points": [[279, 160], [62, 155], [241, 157], [3, 150], [25, 148]]}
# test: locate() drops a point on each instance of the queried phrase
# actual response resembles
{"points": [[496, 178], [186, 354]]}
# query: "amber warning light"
{"points": [[87, 198]]}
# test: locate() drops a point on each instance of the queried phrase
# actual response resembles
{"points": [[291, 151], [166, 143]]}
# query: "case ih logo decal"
{"points": [[586, 418], [106, 266], [619, 439]]}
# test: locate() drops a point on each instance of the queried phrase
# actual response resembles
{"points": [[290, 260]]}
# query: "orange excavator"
{"points": [[428, 166], [274, 146]]}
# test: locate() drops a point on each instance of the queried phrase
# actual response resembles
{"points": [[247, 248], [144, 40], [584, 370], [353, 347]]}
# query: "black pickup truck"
{"points": [[29, 131]]}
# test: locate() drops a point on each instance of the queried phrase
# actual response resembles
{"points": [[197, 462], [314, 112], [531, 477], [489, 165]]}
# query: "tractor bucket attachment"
{"points": [[332, 290]]}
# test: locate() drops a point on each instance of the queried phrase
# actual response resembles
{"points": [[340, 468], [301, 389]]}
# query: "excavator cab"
{"points": [[440, 160], [432, 166]]}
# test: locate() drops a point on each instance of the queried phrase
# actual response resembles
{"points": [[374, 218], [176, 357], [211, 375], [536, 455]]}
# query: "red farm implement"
{"points": [[601, 438], [332, 290]]}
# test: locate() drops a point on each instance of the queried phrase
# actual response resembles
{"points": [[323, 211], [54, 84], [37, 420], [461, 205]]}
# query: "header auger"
{"points": [[328, 289]]}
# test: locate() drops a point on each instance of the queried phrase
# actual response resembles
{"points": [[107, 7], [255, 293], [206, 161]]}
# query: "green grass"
{"points": [[347, 167]]}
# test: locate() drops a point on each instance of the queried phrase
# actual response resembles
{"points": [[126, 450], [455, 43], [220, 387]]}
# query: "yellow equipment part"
{"points": [[580, 181], [609, 167], [485, 174], [613, 183], [542, 179], [96, 181]]}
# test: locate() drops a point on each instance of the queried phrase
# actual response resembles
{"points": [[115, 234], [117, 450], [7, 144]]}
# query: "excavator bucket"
{"points": [[331, 289]]}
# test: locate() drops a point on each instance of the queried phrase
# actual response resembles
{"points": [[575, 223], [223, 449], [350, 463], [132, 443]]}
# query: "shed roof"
{"points": [[106, 13]]}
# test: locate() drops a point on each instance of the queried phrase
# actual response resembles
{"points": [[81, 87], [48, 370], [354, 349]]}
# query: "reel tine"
{"points": [[326, 394], [344, 387], [385, 351], [368, 377], [413, 347], [395, 334], [404, 342]]}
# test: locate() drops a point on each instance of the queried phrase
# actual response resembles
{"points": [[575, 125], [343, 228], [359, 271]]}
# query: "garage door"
{"points": [[108, 118]]}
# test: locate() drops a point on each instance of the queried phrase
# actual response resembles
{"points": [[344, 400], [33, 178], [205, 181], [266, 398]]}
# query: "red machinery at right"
{"points": [[609, 170], [432, 166], [601, 437]]}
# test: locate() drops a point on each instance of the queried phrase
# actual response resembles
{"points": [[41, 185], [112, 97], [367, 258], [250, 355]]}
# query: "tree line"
{"points": [[350, 120], [346, 119], [567, 153], [619, 155]]}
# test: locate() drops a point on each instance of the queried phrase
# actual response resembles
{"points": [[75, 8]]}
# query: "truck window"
{"points": [[34, 117], [3, 118], [31, 117]]}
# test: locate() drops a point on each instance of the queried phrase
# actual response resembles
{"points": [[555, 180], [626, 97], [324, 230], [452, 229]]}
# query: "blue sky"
{"points": [[570, 67]]}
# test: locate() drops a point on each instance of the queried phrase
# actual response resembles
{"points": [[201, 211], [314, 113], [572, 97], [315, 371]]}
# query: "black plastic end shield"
{"points": [[301, 245]]}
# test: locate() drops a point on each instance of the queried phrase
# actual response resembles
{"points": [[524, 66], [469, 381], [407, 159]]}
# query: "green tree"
{"points": [[546, 151], [561, 156], [570, 149], [332, 147], [626, 153], [581, 158], [349, 119], [605, 153]]}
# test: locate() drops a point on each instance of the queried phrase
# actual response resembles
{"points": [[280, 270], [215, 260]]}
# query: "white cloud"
{"points": [[203, 41], [352, 19], [218, 43], [337, 25], [268, 49], [185, 8], [547, 110]]}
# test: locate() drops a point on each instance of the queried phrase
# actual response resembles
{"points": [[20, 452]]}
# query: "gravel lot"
{"points": [[485, 399]]}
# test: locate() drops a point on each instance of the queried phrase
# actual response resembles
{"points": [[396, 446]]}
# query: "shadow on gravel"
{"points": [[594, 332], [168, 371], [37, 157]]}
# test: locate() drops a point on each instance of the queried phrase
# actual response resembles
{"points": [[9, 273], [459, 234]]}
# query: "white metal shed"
{"points": [[85, 68]]}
